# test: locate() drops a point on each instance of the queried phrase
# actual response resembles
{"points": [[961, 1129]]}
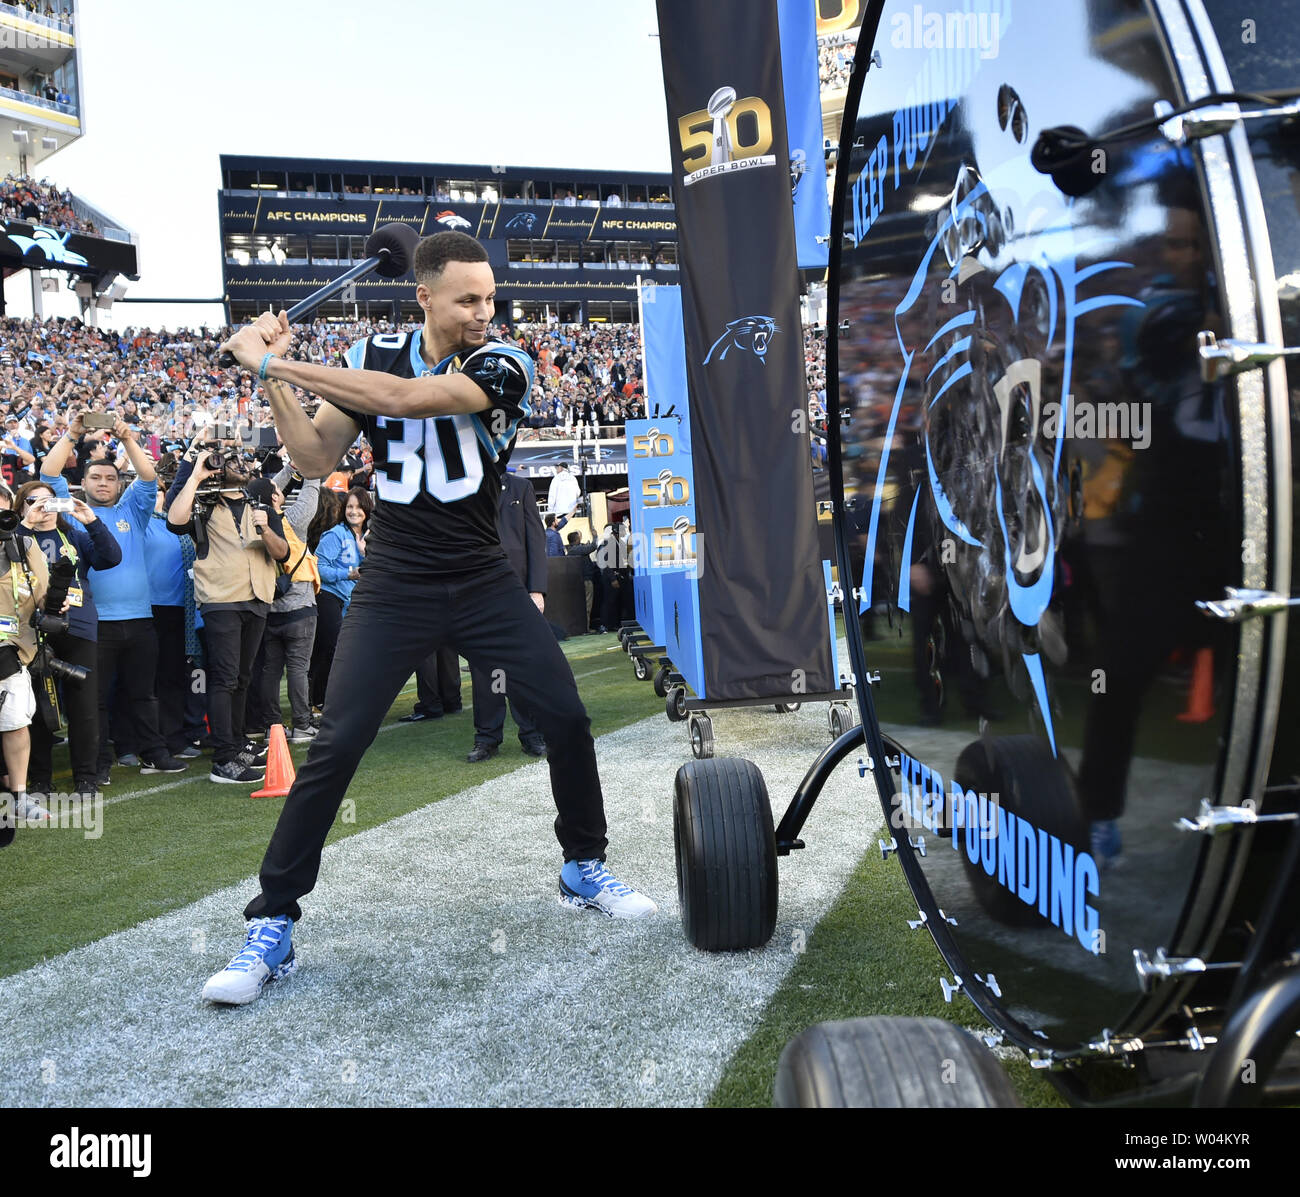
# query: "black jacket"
{"points": [[522, 535]]}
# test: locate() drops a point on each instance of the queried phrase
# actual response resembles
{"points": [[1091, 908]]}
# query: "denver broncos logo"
{"points": [[750, 334]]}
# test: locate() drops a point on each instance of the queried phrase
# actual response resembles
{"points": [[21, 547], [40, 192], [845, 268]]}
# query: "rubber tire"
{"points": [[890, 1063], [787, 708], [1032, 783], [675, 704], [701, 730], [725, 846], [661, 681], [837, 723], [641, 667]]}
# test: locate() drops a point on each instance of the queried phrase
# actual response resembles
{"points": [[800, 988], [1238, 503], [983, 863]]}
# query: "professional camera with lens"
{"points": [[48, 621]]}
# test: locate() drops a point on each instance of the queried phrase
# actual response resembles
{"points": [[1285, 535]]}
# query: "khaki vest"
{"points": [[40, 571], [237, 567]]}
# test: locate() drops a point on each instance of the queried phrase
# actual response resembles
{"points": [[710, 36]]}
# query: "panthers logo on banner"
{"points": [[749, 334]]}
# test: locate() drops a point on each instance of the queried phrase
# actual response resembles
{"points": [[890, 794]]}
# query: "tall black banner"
{"points": [[762, 594]]}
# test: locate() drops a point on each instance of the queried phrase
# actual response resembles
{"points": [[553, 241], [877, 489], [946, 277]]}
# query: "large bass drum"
{"points": [[1048, 457]]}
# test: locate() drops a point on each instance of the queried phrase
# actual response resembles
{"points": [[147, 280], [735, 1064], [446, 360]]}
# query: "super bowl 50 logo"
{"points": [[728, 134]]}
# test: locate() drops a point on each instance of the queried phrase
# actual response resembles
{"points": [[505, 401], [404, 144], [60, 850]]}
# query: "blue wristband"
{"points": [[261, 370]]}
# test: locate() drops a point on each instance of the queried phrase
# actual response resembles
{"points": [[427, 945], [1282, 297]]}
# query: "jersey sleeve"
{"points": [[505, 375]]}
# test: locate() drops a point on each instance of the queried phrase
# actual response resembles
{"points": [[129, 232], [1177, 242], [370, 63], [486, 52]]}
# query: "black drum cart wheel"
{"points": [[726, 855], [895, 1063]]}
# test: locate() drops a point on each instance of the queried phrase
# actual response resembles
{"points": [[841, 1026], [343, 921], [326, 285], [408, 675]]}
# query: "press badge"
{"points": [[9, 625], [74, 596]]}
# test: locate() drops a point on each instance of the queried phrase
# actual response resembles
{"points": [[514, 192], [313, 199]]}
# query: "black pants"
{"points": [[80, 701], [128, 654], [437, 683], [329, 618], [172, 681], [490, 711], [399, 616], [232, 641]]}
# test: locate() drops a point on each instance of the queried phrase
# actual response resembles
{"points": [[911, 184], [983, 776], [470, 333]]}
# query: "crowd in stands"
{"points": [[585, 374], [168, 383], [835, 59], [40, 202], [60, 13]]}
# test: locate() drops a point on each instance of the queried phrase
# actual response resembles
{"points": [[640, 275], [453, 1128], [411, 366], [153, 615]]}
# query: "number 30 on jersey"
{"points": [[447, 457]]}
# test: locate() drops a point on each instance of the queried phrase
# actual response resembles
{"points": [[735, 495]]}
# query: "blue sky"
{"points": [[168, 86]]}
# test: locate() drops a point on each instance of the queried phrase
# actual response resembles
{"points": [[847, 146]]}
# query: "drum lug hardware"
{"points": [[990, 983], [1107, 1045], [992, 1038], [950, 988], [887, 848], [1214, 819], [873, 679], [918, 843], [923, 919], [1214, 119], [865, 766], [1220, 358], [1043, 1059], [858, 593], [835, 594], [844, 327], [848, 679], [892, 762], [1238, 604], [1162, 967]]}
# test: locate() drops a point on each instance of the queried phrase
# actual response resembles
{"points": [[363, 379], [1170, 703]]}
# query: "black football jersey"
{"points": [[438, 480]]}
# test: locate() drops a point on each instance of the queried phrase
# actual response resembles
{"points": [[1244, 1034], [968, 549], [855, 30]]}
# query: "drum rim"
{"points": [[1187, 39], [1249, 289]]}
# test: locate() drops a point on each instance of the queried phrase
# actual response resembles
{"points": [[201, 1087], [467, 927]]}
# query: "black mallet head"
{"points": [[395, 243]]}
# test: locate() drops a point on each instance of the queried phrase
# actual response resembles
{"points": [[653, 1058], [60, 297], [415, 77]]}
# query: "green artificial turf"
{"points": [[160, 851]]}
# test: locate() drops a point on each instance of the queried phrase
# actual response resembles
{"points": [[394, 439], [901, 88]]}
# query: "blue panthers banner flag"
{"points": [[803, 118], [761, 593]]}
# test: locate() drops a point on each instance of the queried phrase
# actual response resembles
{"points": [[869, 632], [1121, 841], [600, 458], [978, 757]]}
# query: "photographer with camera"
{"points": [[238, 539], [127, 652], [20, 597], [83, 545]]}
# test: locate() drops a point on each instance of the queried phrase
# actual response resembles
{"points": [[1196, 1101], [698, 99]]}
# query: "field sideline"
{"points": [[439, 976]]}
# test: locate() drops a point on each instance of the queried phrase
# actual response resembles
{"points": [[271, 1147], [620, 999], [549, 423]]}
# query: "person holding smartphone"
{"points": [[88, 544]]}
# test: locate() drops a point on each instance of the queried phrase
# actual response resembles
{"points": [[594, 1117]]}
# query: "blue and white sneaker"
{"points": [[267, 956], [589, 885]]}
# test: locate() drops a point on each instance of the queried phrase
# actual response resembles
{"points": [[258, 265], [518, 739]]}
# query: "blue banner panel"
{"points": [[803, 118], [681, 598]]}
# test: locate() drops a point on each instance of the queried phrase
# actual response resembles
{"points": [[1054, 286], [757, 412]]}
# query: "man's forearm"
{"points": [[182, 509], [378, 393], [299, 434], [141, 462], [57, 457], [277, 546]]}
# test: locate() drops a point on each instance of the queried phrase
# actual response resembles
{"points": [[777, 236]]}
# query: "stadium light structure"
{"points": [[49, 143], [21, 136]]}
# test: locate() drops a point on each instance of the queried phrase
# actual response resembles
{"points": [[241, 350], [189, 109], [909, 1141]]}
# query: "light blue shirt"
{"points": [[123, 591]]}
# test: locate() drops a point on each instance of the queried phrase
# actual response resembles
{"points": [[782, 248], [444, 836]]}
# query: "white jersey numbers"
{"points": [[443, 450]]}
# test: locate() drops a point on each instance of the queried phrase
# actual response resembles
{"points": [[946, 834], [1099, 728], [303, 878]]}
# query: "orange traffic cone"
{"points": [[1200, 696], [279, 766]]}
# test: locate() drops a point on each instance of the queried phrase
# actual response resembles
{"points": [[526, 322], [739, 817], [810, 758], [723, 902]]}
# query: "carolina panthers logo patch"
{"points": [[494, 373], [523, 222], [750, 334]]}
